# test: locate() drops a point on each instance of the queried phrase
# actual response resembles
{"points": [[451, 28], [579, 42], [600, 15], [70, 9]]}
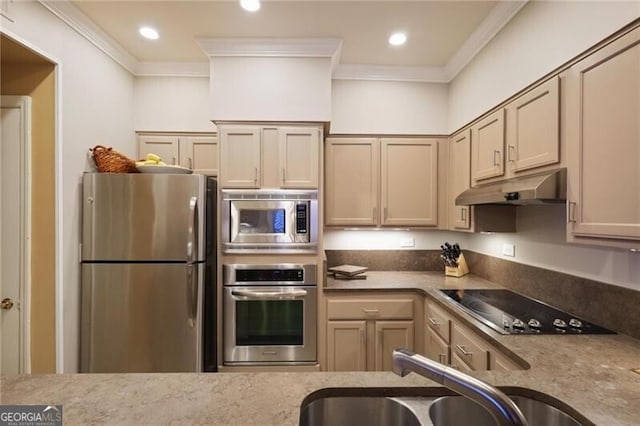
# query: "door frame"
{"points": [[24, 212], [59, 246]]}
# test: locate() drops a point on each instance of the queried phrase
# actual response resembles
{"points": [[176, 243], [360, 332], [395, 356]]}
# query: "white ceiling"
{"points": [[439, 32]]}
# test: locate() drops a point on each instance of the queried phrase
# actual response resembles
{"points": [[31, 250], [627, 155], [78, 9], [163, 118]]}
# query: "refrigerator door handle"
{"points": [[192, 242], [192, 292]]}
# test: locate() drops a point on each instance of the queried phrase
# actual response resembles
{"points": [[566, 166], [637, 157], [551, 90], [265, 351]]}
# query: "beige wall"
{"points": [[541, 37], [172, 104], [38, 81], [95, 98], [388, 107], [284, 89]]}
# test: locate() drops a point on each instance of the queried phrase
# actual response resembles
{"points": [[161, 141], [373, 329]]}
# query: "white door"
{"points": [[15, 122]]}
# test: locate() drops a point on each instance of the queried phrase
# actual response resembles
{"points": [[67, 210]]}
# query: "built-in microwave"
{"points": [[285, 221]]}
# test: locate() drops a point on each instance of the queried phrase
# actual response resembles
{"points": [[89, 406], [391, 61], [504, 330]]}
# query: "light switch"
{"points": [[509, 250], [408, 242]]}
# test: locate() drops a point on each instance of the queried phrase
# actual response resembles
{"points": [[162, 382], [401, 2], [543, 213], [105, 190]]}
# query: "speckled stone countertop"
{"points": [[592, 374]]}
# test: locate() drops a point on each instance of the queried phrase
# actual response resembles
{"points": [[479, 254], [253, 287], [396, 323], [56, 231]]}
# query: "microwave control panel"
{"points": [[301, 218]]}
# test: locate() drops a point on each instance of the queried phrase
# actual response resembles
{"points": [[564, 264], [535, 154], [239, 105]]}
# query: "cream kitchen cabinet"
{"points": [[533, 128], [196, 152], [448, 341], [487, 147], [519, 138], [381, 182], [459, 178], [269, 157], [363, 331], [351, 174], [493, 218], [603, 145]]}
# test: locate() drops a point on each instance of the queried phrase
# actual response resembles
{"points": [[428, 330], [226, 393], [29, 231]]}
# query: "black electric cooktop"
{"points": [[511, 313]]}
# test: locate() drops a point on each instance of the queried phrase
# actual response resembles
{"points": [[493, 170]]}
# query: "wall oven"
{"points": [[266, 220], [270, 314]]}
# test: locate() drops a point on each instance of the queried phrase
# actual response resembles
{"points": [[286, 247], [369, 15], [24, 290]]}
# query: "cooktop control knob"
{"points": [[535, 324], [518, 324], [575, 323], [558, 323]]}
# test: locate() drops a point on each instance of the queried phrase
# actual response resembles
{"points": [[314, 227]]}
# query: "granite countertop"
{"points": [[592, 374]]}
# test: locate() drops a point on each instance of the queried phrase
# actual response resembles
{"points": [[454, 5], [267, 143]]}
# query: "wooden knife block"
{"points": [[461, 270]]}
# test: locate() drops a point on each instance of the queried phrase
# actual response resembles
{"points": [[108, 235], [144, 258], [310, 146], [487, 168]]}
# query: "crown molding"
{"points": [[81, 23], [172, 69], [390, 73], [499, 16], [273, 47]]}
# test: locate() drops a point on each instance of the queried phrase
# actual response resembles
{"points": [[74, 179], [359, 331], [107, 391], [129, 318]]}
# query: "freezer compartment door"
{"points": [[141, 318], [143, 217]]}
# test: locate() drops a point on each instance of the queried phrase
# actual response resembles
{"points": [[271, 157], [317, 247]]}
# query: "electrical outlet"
{"points": [[509, 250], [408, 242]]}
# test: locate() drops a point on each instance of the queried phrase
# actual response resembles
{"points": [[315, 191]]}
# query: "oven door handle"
{"points": [[262, 295]]}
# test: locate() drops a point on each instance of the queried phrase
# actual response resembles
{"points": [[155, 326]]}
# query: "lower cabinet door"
{"points": [[436, 348], [346, 346], [390, 335]]}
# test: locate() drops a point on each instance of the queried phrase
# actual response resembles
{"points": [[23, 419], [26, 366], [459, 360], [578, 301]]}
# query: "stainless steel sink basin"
{"points": [[458, 411], [353, 410]]}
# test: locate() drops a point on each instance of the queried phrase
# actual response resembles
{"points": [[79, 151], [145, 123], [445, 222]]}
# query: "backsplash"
{"points": [[387, 260], [608, 305]]}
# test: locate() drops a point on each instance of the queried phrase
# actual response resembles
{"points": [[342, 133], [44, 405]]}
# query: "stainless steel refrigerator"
{"points": [[148, 273]]}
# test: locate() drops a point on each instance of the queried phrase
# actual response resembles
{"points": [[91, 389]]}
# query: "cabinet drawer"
{"points": [[469, 348], [438, 321], [370, 309]]}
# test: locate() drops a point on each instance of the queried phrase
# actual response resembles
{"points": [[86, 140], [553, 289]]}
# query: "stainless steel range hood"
{"points": [[542, 188]]}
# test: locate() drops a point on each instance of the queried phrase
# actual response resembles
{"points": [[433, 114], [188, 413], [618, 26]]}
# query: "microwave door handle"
{"points": [[192, 232], [261, 295]]}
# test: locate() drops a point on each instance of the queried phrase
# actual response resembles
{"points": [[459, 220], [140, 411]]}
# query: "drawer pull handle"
{"points": [[370, 311], [463, 350], [496, 157], [434, 322]]}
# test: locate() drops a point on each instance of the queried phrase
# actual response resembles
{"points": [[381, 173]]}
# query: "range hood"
{"points": [[543, 188]]}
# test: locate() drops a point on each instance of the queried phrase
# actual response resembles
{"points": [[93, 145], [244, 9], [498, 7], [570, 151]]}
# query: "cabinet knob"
{"points": [[6, 304]]}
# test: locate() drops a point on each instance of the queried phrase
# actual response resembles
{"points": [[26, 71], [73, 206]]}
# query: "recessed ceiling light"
{"points": [[250, 5], [397, 39], [148, 32]]}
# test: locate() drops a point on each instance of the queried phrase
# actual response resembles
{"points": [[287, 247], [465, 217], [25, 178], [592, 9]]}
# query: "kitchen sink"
{"points": [[353, 410], [426, 407], [458, 411]]}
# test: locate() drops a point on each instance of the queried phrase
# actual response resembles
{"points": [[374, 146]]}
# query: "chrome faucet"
{"points": [[501, 407]]}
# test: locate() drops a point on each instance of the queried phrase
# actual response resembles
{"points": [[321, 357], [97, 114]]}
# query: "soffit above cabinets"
{"points": [[443, 36]]}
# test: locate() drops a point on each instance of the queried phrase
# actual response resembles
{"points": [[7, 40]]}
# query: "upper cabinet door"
{"points": [[299, 156], [533, 128], [240, 151], [166, 147], [200, 153], [459, 178], [409, 182], [351, 176], [487, 147], [604, 142]]}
